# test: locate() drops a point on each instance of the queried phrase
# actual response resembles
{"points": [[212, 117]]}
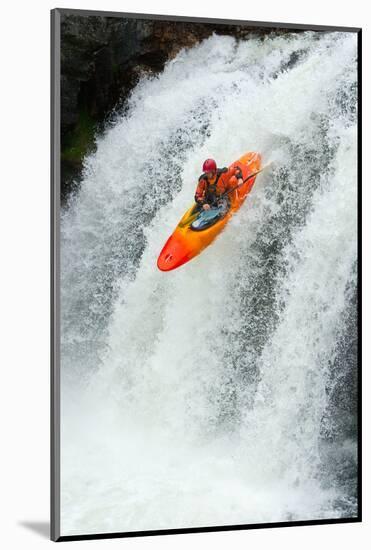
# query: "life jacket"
{"points": [[211, 188]]}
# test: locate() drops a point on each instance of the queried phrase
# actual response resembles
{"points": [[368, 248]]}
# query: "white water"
{"points": [[198, 397]]}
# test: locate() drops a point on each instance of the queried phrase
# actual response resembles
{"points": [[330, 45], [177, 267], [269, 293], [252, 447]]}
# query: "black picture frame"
{"points": [[55, 271]]}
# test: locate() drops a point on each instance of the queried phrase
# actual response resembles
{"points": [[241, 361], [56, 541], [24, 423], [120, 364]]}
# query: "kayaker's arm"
{"points": [[233, 178], [200, 194], [238, 175]]}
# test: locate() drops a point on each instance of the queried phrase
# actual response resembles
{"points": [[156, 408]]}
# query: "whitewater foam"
{"points": [[199, 397]]}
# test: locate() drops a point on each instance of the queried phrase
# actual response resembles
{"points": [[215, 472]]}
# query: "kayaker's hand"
{"points": [[206, 207], [240, 181]]}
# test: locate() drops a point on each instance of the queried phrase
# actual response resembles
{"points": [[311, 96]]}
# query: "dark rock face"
{"points": [[102, 59]]}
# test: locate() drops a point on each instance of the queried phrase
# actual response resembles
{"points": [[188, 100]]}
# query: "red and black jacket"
{"points": [[208, 190]]}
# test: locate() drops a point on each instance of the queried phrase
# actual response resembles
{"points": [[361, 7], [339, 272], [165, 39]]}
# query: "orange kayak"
{"points": [[186, 242]]}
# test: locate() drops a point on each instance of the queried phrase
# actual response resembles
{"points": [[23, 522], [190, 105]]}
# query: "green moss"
{"points": [[115, 68], [80, 141]]}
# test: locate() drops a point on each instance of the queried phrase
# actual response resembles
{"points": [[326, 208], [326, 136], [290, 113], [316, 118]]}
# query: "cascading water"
{"points": [[223, 392]]}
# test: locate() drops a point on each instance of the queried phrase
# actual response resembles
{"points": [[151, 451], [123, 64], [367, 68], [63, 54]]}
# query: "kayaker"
{"points": [[214, 182]]}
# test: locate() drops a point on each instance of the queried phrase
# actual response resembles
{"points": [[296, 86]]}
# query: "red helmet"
{"points": [[209, 165]]}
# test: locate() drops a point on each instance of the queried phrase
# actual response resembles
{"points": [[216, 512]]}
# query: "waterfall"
{"points": [[210, 395]]}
